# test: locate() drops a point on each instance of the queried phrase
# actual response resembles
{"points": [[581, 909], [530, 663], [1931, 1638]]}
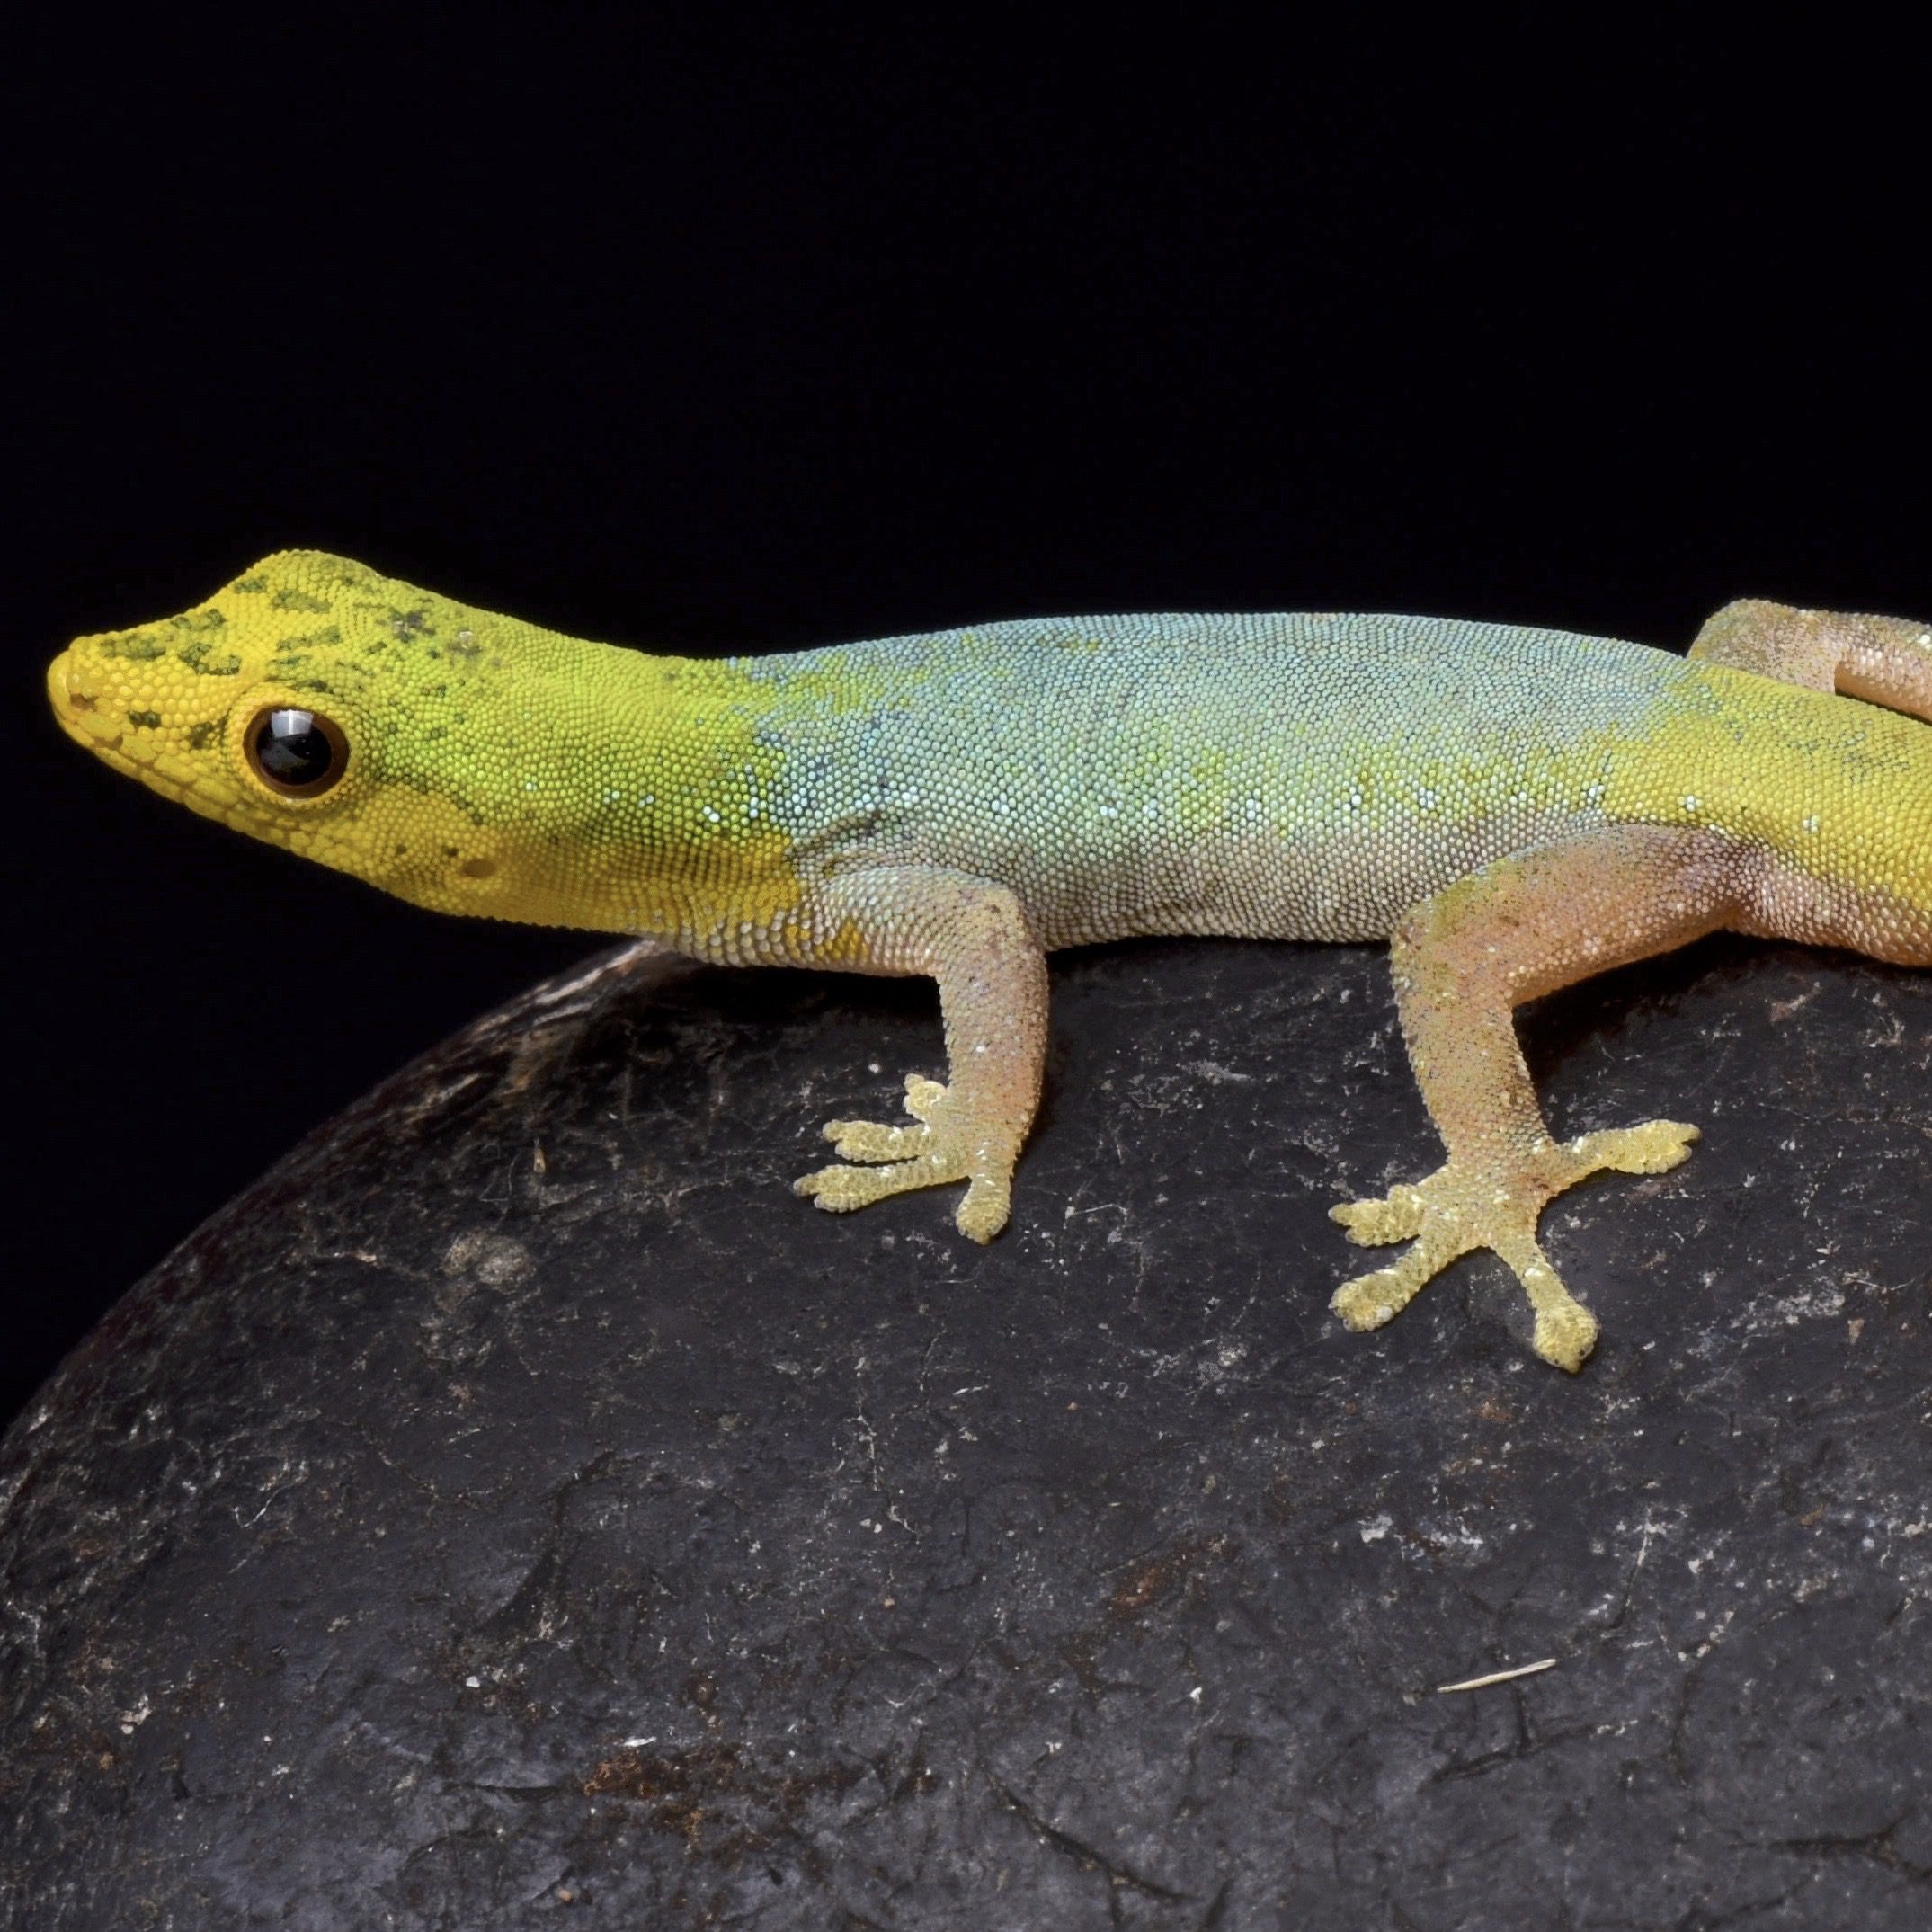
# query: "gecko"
{"points": [[1510, 809]]}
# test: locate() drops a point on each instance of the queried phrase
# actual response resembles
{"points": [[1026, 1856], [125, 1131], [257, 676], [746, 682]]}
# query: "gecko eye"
{"points": [[298, 754]]}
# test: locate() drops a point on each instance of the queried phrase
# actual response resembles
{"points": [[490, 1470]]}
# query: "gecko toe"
{"points": [[924, 1097], [870, 1140], [1368, 1301], [840, 1189], [1564, 1334], [984, 1210], [1469, 1205], [1654, 1148], [895, 1160], [873, 1141], [1396, 1215]]}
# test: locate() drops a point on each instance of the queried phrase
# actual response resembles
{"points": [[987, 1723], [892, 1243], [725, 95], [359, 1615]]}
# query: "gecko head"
{"points": [[352, 719]]}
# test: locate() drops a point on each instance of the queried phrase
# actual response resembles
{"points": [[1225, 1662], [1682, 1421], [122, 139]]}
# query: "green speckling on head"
{"points": [[198, 660], [253, 586], [136, 646], [309, 640], [147, 720], [288, 598], [203, 734], [204, 619]]}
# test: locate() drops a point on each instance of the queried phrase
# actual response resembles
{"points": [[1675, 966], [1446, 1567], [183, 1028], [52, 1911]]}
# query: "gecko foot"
{"points": [[941, 1148], [1467, 1204]]}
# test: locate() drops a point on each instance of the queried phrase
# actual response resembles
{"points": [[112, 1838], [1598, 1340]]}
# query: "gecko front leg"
{"points": [[971, 936], [1463, 961]]}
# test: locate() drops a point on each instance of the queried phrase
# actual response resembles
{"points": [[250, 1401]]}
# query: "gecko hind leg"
{"points": [[1884, 660], [1463, 960], [1462, 1207]]}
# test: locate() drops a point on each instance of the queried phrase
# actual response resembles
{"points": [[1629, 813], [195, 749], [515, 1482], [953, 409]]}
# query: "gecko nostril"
{"points": [[72, 695], [64, 677]]}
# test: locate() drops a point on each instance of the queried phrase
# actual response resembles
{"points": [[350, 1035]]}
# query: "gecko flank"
{"points": [[1511, 809]]}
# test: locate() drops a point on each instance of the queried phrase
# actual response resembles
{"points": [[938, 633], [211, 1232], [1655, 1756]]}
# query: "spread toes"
{"points": [[899, 1159], [1496, 1203]]}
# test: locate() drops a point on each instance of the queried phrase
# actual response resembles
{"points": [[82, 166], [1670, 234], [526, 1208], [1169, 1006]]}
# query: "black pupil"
{"points": [[291, 748]]}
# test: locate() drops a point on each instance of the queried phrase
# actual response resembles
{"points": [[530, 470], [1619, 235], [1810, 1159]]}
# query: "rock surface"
{"points": [[516, 1508]]}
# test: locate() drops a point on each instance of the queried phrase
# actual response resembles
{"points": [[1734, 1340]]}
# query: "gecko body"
{"points": [[1511, 808]]}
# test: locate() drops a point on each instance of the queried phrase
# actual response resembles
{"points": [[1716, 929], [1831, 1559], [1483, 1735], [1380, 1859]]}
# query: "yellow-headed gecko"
{"points": [[1511, 809]]}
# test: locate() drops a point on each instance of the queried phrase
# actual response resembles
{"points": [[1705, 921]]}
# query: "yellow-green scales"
{"points": [[1513, 808]]}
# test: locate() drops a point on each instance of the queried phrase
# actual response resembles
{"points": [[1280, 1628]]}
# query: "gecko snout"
{"points": [[63, 683], [69, 688], [76, 698]]}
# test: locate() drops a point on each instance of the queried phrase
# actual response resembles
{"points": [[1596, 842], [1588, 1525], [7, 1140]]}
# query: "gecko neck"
{"points": [[627, 793]]}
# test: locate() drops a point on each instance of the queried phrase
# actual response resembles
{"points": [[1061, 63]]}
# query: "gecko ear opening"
{"points": [[297, 754]]}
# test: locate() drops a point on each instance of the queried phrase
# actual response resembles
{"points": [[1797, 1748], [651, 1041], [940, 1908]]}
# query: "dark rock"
{"points": [[517, 1507]]}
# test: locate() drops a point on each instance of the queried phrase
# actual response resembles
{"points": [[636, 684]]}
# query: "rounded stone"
{"points": [[517, 1506]]}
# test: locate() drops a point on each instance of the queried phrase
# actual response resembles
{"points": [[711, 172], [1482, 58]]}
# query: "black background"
{"points": [[715, 330]]}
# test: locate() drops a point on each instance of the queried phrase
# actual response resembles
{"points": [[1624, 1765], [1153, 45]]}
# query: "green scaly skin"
{"points": [[1511, 809]]}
